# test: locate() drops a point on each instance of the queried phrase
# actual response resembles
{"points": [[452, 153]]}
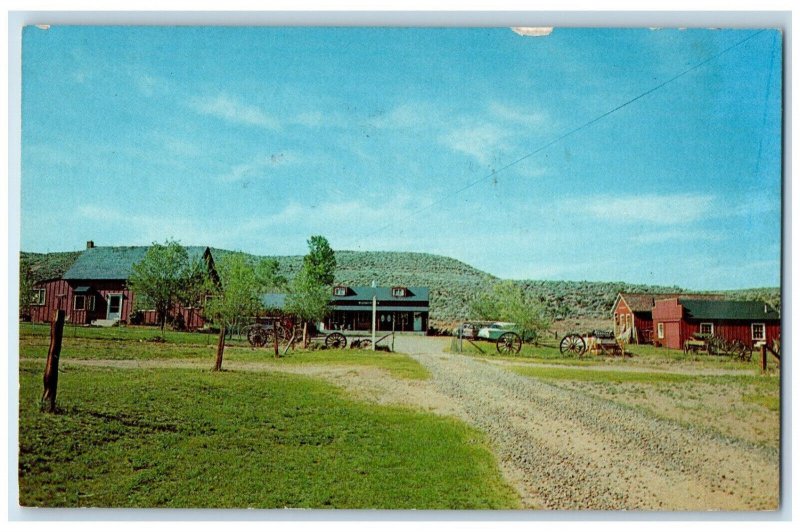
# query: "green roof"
{"points": [[707, 309], [106, 263]]}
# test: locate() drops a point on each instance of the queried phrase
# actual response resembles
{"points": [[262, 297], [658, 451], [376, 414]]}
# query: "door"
{"points": [[417, 321], [114, 307]]}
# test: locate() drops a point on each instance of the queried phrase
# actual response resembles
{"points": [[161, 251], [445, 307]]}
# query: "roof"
{"points": [[383, 293], [639, 302], [107, 262], [704, 309], [381, 308]]}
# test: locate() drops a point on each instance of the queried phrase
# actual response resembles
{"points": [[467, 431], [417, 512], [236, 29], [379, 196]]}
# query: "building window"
{"points": [[398, 291], [759, 332], [661, 331], [38, 297], [706, 328], [79, 303], [340, 291], [89, 302]]}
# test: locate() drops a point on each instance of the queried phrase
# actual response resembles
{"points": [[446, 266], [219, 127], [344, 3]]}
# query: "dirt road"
{"points": [[566, 450]]}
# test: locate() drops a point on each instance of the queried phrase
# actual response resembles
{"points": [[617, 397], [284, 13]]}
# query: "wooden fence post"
{"points": [[764, 358], [51, 367], [275, 337], [220, 349]]}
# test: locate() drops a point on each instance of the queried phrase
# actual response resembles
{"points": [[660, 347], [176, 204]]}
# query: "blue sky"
{"points": [[257, 138]]}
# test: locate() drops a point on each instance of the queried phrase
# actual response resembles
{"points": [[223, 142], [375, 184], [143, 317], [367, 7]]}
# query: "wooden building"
{"points": [[633, 314], [399, 308], [94, 289], [751, 322]]}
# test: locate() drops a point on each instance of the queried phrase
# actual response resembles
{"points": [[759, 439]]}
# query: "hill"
{"points": [[45, 266], [452, 283]]}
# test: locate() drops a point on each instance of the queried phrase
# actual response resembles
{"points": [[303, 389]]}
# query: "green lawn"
{"points": [[193, 438], [578, 374], [133, 343]]}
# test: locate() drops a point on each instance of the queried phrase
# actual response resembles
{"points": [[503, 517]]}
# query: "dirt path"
{"points": [[567, 450]]}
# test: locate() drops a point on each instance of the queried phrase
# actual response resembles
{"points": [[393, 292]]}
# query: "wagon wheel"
{"points": [[741, 351], [509, 343], [335, 341], [257, 336], [572, 344]]}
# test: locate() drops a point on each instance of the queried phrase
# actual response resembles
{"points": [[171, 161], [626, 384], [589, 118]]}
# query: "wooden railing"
{"points": [[767, 349]]}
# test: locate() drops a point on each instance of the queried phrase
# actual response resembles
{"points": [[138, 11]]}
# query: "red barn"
{"points": [[751, 322], [94, 289], [633, 318]]}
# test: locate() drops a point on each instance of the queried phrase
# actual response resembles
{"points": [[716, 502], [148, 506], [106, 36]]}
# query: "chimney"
{"points": [[89, 244]]}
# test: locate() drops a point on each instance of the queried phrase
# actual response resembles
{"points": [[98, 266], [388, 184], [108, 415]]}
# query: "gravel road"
{"points": [[566, 450]]}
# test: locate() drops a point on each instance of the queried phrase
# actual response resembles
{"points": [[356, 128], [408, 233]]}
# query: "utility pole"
{"points": [[374, 311]]}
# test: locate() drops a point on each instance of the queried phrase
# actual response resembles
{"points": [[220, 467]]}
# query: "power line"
{"points": [[565, 135]]}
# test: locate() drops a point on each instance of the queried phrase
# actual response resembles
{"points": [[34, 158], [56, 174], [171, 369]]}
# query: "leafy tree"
{"points": [[237, 296], [310, 290], [161, 277], [308, 300], [320, 262], [26, 283], [508, 301]]}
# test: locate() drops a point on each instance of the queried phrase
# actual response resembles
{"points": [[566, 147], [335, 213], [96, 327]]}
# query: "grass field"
{"points": [[134, 343], [177, 437], [192, 438]]}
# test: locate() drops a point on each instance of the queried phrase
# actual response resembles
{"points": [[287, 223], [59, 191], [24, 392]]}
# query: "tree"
{"points": [[308, 299], [237, 296], [310, 290], [507, 301], [26, 282], [320, 262], [161, 277]]}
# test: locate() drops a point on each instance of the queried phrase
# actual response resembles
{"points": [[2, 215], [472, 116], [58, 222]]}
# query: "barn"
{"points": [[751, 322], [94, 289], [633, 314]]}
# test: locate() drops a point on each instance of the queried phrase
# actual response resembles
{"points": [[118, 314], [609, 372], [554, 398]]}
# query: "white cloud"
{"points": [[481, 141], [405, 116], [233, 111], [259, 166], [657, 237], [517, 115], [665, 209]]}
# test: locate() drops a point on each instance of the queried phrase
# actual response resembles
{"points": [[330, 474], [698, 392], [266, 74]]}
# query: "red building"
{"points": [[751, 322], [633, 314], [94, 289]]}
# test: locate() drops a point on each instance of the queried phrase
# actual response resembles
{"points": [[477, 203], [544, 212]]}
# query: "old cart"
{"points": [[596, 342], [505, 336], [263, 334], [717, 345]]}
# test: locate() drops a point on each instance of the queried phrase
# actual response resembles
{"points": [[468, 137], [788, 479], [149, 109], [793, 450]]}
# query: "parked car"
{"points": [[498, 328], [469, 329]]}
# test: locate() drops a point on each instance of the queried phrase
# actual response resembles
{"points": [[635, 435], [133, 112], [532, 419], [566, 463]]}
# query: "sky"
{"points": [[636, 155]]}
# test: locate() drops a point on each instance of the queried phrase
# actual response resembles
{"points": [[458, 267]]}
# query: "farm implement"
{"points": [[717, 345], [287, 333], [595, 342]]}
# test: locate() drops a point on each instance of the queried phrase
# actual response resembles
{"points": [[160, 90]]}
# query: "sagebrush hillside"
{"points": [[452, 283]]}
